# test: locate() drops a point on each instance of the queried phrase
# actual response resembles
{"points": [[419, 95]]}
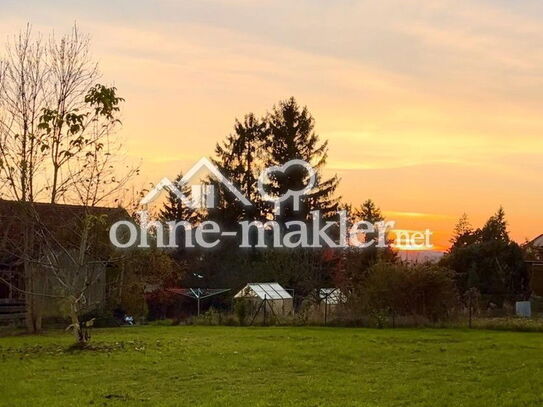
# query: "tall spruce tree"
{"points": [[291, 136], [240, 159]]}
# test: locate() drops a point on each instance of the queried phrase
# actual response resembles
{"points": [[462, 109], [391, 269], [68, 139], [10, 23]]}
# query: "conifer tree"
{"points": [[463, 233], [495, 229], [291, 136], [174, 209], [240, 159], [369, 212]]}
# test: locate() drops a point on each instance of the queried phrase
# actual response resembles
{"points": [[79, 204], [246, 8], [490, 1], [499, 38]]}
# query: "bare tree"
{"points": [[23, 76], [54, 117], [72, 76], [58, 143]]}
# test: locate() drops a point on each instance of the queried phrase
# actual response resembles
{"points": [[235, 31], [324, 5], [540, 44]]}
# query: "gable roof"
{"points": [[537, 242], [269, 291]]}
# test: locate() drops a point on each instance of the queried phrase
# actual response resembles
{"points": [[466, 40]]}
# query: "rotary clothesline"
{"points": [[198, 293]]}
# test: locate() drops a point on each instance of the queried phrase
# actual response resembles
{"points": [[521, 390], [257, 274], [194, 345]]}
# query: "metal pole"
{"points": [[469, 310], [198, 306], [325, 309], [265, 304]]}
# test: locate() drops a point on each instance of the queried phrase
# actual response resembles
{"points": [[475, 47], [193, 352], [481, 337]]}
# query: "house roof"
{"points": [[537, 242], [60, 220], [268, 291], [53, 216], [46, 210]]}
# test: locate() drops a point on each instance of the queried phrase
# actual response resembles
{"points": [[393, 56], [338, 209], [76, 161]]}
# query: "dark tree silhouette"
{"points": [[488, 260], [291, 136], [174, 209], [240, 159]]}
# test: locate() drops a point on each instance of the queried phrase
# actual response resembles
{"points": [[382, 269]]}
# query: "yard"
{"points": [[276, 366]]}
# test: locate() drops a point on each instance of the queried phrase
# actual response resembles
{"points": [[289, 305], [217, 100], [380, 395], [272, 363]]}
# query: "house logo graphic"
{"points": [[202, 195]]}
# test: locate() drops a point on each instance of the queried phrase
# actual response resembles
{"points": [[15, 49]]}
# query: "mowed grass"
{"points": [[276, 366]]}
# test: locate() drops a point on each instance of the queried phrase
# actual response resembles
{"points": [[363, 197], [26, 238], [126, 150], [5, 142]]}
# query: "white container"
{"points": [[523, 308]]}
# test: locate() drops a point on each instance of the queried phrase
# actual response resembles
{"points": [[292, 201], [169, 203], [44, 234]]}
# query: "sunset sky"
{"points": [[431, 108]]}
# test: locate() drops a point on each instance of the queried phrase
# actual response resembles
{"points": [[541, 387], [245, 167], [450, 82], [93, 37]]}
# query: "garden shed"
{"points": [[331, 296], [267, 298], [329, 299]]}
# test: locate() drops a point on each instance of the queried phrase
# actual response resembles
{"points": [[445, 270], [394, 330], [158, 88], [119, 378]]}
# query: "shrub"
{"points": [[509, 324], [210, 317], [241, 309], [400, 289], [162, 322]]}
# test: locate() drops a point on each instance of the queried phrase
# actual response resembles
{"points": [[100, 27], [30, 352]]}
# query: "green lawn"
{"points": [[278, 366]]}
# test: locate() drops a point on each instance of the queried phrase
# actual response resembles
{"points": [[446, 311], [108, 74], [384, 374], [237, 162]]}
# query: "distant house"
{"points": [[17, 221], [536, 247], [534, 255]]}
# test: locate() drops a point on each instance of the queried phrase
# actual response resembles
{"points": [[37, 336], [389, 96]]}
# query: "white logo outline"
{"points": [[276, 200], [175, 188]]}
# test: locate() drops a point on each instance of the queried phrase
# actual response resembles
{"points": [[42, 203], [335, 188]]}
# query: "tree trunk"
{"points": [[33, 311], [80, 335]]}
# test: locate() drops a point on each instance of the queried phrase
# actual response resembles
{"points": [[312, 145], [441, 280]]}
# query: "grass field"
{"points": [[279, 366]]}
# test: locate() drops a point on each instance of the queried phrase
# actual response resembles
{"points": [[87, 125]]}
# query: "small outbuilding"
{"points": [[329, 300], [267, 298], [331, 296]]}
